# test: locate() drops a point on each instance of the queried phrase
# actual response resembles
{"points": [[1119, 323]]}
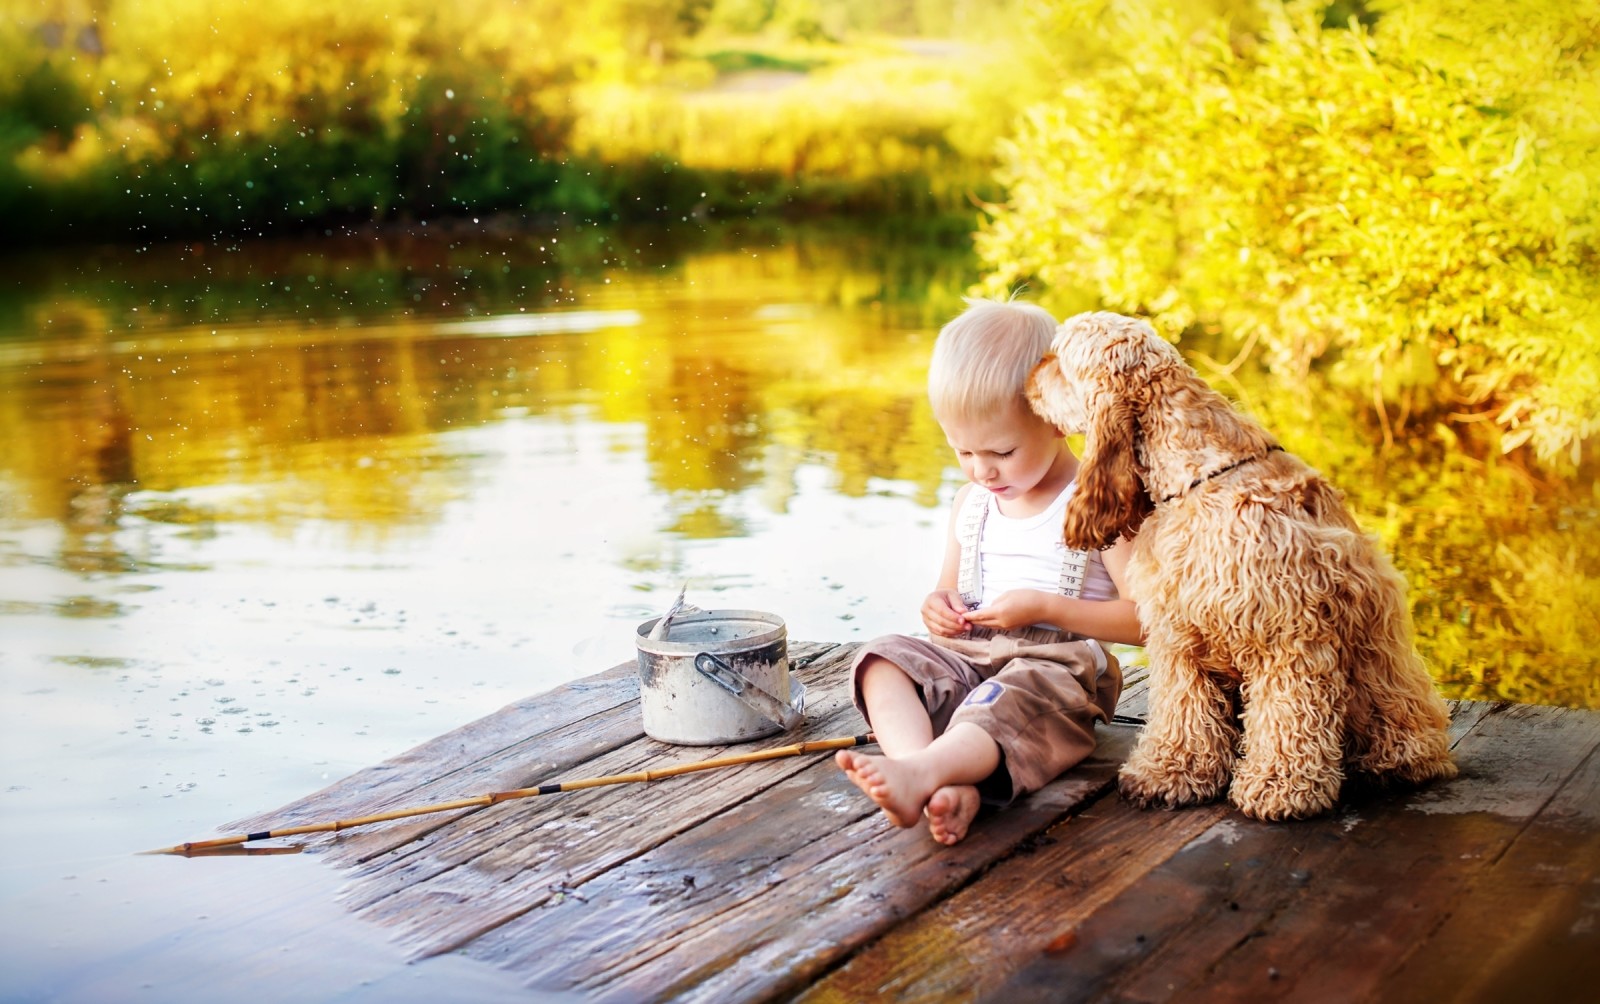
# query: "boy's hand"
{"points": [[945, 614], [1011, 609]]}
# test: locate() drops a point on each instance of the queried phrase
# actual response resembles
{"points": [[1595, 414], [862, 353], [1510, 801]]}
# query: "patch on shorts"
{"points": [[987, 692]]}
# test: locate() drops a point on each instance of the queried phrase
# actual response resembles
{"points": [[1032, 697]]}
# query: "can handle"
{"points": [[786, 713]]}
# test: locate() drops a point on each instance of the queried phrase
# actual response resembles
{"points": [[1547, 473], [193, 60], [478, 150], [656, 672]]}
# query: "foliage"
{"points": [[232, 114], [1413, 206], [874, 131], [838, 20], [217, 116]]}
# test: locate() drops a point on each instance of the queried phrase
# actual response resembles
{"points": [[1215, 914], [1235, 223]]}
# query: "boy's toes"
{"points": [[849, 761], [950, 812]]}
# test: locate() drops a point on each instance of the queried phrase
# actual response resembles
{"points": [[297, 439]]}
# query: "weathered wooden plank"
{"points": [[510, 858], [610, 930], [1438, 853], [1425, 850], [1465, 716], [761, 899], [566, 752], [1528, 926], [1328, 909], [1027, 907], [438, 760], [452, 884], [974, 940], [526, 743], [1028, 904], [716, 912]]}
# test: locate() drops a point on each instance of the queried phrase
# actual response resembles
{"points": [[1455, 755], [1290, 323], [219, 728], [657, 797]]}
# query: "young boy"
{"points": [[1004, 694]]}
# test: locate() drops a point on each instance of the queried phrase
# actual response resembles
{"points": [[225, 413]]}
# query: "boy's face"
{"points": [[1009, 452]]}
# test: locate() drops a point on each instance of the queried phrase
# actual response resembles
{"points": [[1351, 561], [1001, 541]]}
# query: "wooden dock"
{"points": [[779, 881]]}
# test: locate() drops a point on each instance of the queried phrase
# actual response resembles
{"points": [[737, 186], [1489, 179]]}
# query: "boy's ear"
{"points": [[1110, 500]]}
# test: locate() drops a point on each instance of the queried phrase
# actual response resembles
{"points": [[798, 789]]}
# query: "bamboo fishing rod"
{"points": [[814, 746]]}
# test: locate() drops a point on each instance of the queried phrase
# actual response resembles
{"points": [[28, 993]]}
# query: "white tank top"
{"points": [[1001, 552]]}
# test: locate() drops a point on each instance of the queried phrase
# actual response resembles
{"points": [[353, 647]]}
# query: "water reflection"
{"points": [[281, 382], [331, 416]]}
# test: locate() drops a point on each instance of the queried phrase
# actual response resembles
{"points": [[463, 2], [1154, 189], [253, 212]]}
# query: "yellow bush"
{"points": [[1415, 204]]}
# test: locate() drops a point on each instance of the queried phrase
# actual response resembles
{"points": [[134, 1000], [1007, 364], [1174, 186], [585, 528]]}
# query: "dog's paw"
{"points": [[1279, 797], [1417, 762], [1162, 789]]}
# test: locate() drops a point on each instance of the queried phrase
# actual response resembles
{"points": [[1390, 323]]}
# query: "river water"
{"points": [[271, 512]]}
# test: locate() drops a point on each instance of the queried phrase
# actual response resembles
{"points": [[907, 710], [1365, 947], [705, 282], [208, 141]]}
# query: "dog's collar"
{"points": [[1202, 479]]}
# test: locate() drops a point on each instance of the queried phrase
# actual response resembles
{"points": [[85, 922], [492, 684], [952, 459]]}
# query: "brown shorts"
{"points": [[1036, 695]]}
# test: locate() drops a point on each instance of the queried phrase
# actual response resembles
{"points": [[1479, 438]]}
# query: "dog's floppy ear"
{"points": [[1046, 391], [1110, 500]]}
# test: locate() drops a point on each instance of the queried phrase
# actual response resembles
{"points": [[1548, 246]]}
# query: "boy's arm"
{"points": [[1108, 620], [1124, 619], [943, 613], [1105, 620]]}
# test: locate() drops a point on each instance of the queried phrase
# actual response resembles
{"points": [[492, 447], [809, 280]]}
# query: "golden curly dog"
{"points": [[1279, 642]]}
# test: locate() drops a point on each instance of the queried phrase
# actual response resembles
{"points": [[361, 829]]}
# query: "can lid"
{"points": [[713, 630]]}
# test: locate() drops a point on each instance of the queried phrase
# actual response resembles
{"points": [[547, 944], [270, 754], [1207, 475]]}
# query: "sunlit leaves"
{"points": [[207, 115], [1424, 191]]}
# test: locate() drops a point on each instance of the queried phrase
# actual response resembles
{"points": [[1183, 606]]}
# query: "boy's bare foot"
{"points": [[896, 787], [950, 812]]}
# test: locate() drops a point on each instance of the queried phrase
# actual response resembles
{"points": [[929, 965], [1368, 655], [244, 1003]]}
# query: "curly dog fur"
{"points": [[1279, 641]]}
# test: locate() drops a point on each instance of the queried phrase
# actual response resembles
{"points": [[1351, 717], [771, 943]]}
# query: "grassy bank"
{"points": [[198, 117]]}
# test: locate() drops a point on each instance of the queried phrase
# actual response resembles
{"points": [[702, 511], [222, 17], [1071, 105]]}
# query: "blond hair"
{"points": [[983, 357]]}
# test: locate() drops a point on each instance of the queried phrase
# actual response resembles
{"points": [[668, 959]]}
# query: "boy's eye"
{"points": [[1006, 454]]}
